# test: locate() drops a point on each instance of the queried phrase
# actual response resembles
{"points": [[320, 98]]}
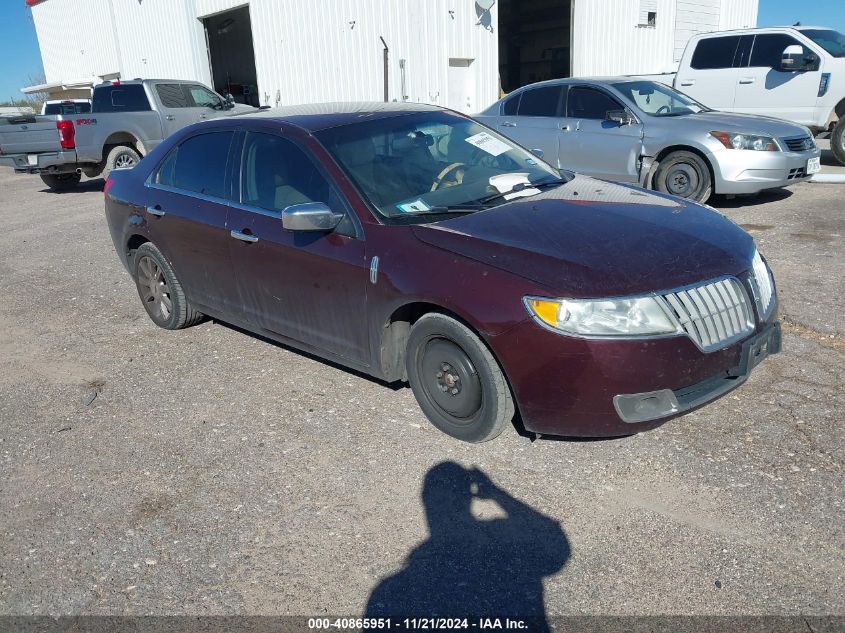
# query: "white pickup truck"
{"points": [[126, 121], [795, 73]]}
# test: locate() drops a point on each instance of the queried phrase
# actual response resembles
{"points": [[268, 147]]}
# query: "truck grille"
{"points": [[800, 144], [713, 314]]}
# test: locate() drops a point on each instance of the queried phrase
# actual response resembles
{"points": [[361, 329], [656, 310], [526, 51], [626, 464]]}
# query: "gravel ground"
{"points": [[211, 472]]}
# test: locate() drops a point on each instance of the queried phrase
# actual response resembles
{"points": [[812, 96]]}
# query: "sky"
{"points": [[20, 59]]}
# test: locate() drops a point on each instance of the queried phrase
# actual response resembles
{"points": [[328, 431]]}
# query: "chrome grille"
{"points": [[713, 314], [799, 144], [763, 286]]}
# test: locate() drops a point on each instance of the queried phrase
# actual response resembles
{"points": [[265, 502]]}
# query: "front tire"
{"points": [[456, 380], [160, 291], [837, 141], [61, 182], [685, 175]]}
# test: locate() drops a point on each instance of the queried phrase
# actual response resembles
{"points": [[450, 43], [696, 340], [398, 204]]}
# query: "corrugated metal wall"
{"points": [[609, 37], [609, 40], [738, 14], [319, 50], [76, 39], [693, 17], [306, 50]]}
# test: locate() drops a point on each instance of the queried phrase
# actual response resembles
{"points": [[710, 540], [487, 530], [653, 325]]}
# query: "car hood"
{"points": [[590, 238], [738, 123]]}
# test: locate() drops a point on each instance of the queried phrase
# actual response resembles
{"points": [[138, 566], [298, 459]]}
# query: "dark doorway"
{"points": [[534, 41], [232, 56]]}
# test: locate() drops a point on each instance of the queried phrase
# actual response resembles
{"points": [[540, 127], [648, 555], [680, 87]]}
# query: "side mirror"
{"points": [[622, 117], [310, 216], [229, 101], [538, 152], [794, 58]]}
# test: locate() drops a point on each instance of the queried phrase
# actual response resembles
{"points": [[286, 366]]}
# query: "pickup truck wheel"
{"points": [[685, 175], [456, 381], [61, 182], [837, 141], [120, 157], [160, 290]]}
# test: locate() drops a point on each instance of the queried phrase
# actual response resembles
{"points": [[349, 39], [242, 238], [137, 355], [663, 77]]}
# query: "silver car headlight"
{"points": [[634, 316], [732, 140]]}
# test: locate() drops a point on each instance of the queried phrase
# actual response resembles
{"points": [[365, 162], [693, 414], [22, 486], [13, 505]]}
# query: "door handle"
{"points": [[203, 116], [169, 117], [688, 82], [156, 211], [747, 80], [564, 128], [244, 237], [508, 124]]}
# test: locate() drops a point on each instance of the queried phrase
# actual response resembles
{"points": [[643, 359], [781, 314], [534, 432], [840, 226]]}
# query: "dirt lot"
{"points": [[208, 472]]}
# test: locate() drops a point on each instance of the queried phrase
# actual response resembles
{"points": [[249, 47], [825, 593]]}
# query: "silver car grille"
{"points": [[800, 144], [713, 314]]}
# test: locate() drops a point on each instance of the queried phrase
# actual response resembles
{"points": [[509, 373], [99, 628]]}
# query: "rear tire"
{"points": [[456, 380], [61, 182], [160, 291], [120, 157], [837, 141], [685, 175]]}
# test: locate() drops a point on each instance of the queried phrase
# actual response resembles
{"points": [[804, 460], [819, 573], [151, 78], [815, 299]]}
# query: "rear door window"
{"points": [[198, 165], [715, 52], [543, 101], [172, 96], [511, 105], [590, 103], [768, 49]]}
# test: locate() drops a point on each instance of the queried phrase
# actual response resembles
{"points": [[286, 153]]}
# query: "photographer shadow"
{"points": [[474, 567]]}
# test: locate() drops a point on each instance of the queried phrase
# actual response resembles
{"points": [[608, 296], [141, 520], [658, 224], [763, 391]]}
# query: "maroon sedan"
{"points": [[414, 244]]}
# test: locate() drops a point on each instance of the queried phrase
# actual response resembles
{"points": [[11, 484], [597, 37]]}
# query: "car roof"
{"points": [[313, 117]]}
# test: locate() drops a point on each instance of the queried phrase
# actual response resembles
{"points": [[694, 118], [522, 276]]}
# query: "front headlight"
{"points": [[746, 141], [636, 316]]}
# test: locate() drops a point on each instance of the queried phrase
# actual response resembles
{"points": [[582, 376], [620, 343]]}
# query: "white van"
{"points": [[795, 73]]}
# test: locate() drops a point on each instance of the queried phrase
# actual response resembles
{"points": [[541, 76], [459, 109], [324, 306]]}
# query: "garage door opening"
{"points": [[534, 41], [232, 56]]}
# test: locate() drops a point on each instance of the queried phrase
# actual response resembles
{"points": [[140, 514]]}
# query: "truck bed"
{"points": [[28, 134]]}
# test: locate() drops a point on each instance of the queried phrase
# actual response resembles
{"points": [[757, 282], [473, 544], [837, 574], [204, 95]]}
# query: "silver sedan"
{"points": [[647, 133]]}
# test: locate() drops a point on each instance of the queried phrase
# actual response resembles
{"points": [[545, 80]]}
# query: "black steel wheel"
{"points": [[160, 291], [685, 175], [456, 380]]}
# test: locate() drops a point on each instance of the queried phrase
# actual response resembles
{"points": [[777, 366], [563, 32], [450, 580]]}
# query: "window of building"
{"points": [[198, 165], [648, 13]]}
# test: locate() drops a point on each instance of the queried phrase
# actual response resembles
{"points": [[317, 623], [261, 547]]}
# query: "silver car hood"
{"points": [[730, 122]]}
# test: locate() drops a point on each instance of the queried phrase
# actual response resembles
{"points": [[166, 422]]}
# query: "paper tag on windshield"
{"points": [[412, 207], [489, 144]]}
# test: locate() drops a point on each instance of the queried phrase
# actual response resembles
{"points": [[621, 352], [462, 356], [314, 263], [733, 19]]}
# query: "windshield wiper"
{"points": [[470, 207], [521, 186]]}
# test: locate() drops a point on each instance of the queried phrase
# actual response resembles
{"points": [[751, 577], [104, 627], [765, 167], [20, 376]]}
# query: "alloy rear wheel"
{"points": [[160, 291]]}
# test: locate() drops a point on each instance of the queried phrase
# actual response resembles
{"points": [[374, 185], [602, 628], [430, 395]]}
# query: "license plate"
{"points": [[32, 159], [759, 348], [814, 165]]}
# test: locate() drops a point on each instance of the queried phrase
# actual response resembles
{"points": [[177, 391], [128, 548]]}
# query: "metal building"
{"points": [[459, 53]]}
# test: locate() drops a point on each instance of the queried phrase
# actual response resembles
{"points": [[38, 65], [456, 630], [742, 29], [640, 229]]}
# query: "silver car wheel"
{"points": [[154, 290], [124, 161]]}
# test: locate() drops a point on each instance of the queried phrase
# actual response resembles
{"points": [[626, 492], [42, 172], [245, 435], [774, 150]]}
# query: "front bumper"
{"points": [[48, 162], [566, 386], [747, 171]]}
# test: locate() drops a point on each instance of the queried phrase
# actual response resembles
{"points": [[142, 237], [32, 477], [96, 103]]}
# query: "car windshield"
{"points": [[831, 41], [430, 163], [658, 99]]}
